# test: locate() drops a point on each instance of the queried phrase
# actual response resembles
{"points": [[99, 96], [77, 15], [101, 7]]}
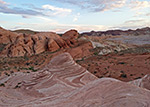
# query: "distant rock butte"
{"points": [[63, 83], [18, 44]]}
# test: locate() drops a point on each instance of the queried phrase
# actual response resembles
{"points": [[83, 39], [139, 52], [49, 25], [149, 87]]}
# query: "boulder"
{"points": [[70, 37]]}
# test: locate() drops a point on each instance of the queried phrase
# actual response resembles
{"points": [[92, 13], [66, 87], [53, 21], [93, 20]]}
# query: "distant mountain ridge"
{"points": [[25, 31], [142, 31]]}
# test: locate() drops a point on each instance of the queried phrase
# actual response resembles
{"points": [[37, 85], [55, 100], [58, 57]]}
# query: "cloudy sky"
{"points": [[83, 15]]}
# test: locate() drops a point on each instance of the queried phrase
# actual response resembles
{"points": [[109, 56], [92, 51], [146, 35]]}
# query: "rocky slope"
{"points": [[64, 83], [125, 65]]}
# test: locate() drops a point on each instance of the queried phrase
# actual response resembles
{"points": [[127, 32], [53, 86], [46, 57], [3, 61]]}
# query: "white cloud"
{"points": [[139, 4], [76, 17], [139, 13], [33, 11], [54, 26], [139, 7], [105, 5], [147, 14], [57, 10], [133, 24], [81, 28], [3, 2]]}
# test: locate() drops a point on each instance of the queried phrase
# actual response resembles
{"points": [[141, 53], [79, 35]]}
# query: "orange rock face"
{"points": [[7, 36], [70, 37], [63, 83], [22, 44], [52, 45], [81, 50]]}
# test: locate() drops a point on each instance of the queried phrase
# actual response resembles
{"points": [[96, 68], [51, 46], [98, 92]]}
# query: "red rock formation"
{"points": [[63, 83], [81, 50], [52, 45], [7, 36], [22, 44], [70, 37]]}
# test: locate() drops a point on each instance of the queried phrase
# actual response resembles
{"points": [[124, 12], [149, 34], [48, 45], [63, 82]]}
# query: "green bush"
{"points": [[123, 75], [32, 69], [2, 85]]}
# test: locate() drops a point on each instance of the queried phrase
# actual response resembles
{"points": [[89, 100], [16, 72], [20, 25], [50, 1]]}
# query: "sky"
{"points": [[82, 15]]}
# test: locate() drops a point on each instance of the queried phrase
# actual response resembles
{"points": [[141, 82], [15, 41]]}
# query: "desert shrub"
{"points": [[131, 74], [7, 74], [123, 76], [32, 69], [122, 72], [95, 53], [138, 78], [18, 85], [27, 63], [2, 46], [95, 72], [79, 60], [121, 62], [131, 65], [11, 72], [26, 57], [2, 85], [115, 51], [36, 63], [60, 35]]}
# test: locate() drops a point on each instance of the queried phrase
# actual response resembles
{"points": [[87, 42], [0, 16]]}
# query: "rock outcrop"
{"points": [[63, 83], [143, 82], [18, 44], [7, 37], [70, 37], [81, 50]]}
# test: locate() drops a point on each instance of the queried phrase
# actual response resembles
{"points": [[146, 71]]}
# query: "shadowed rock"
{"points": [[143, 82]]}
